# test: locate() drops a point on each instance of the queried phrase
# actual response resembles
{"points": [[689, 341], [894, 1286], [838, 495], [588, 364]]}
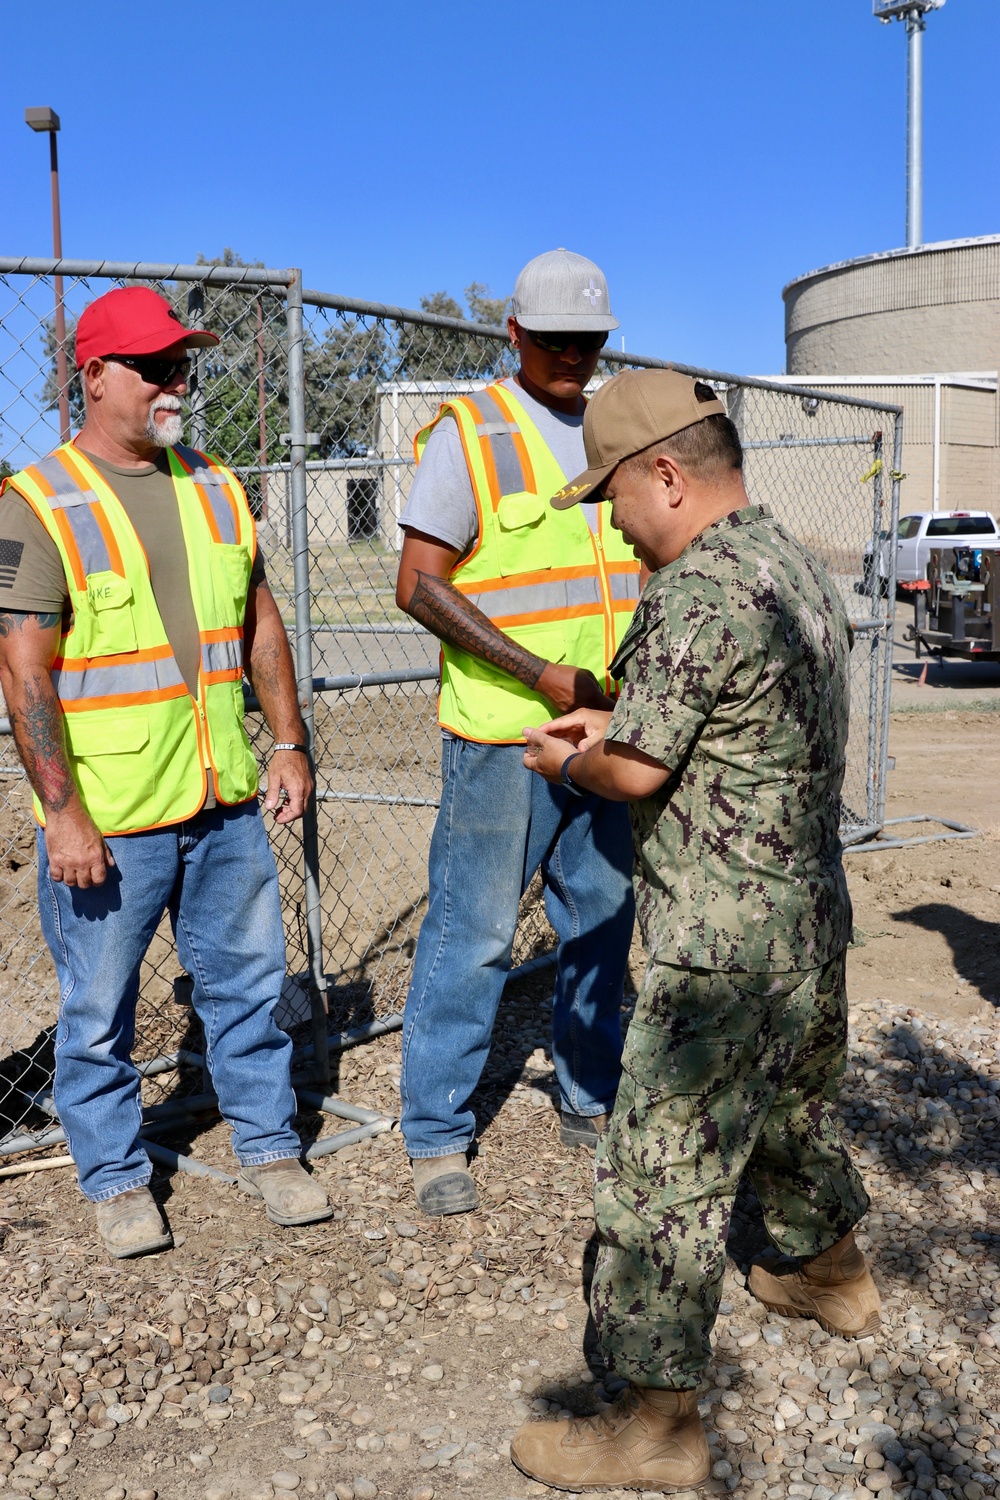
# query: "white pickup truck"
{"points": [[917, 533]]}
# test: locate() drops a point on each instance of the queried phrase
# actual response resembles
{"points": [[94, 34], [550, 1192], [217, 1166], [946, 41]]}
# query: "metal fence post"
{"points": [[196, 314], [304, 663], [897, 464]]}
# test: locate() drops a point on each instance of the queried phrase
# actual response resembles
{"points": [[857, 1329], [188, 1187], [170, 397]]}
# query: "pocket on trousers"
{"points": [[699, 1067]]}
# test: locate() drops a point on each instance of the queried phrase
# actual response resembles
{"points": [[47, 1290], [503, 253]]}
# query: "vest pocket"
{"points": [[96, 742], [517, 528], [230, 564], [108, 614]]}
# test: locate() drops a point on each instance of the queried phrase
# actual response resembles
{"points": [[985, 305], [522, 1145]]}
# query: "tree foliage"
{"points": [[429, 353]]}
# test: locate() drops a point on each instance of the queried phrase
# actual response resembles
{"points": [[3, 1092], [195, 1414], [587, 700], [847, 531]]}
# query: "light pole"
{"points": [[912, 13], [45, 119]]}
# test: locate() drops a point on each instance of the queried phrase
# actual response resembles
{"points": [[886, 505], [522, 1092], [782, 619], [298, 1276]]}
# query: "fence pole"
{"points": [[897, 464], [876, 767], [304, 664], [196, 315]]}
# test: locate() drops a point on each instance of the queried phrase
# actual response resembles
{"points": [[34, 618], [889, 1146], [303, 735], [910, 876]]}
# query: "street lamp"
{"points": [[912, 13], [45, 119]]}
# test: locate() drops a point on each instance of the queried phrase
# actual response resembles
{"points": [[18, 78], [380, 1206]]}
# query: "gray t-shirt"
{"points": [[441, 502]]}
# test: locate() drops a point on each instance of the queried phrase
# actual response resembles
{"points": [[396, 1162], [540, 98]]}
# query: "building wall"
{"points": [[969, 458], [911, 311]]}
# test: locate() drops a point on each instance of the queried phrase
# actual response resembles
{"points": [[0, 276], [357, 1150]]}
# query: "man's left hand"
{"points": [[289, 785], [547, 753]]}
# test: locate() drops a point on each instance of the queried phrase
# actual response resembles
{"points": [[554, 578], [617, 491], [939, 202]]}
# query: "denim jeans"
{"points": [[497, 825], [216, 877]]}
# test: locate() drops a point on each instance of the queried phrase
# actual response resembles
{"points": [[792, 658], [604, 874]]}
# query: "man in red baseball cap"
{"points": [[132, 600]]}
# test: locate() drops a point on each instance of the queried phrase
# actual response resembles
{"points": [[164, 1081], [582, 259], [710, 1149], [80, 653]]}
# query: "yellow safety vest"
{"points": [[140, 748], [541, 575]]}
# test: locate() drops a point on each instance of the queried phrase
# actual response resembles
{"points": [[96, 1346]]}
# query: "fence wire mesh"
{"points": [[370, 376]]}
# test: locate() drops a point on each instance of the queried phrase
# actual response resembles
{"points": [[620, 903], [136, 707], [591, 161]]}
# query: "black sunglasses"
{"points": [[558, 343], [152, 370]]}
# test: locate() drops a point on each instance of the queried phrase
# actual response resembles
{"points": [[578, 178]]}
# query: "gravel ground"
{"points": [[383, 1357]]}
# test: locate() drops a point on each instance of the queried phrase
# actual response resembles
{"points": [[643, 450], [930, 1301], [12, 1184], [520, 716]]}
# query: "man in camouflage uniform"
{"points": [[728, 740]]}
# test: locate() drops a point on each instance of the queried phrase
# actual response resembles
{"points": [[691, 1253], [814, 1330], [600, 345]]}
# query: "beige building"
{"points": [[919, 328]]}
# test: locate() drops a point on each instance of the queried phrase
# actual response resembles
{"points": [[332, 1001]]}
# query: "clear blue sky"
{"points": [[703, 153]]}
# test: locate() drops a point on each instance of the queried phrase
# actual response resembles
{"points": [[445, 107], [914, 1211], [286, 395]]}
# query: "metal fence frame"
{"points": [[875, 630]]}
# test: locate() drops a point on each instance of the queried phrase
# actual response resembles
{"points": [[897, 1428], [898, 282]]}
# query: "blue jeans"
{"points": [[497, 825], [216, 877]]}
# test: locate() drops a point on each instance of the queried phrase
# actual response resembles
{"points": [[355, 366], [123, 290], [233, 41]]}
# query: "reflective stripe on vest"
{"points": [[117, 681], [214, 492], [539, 575], [222, 655]]}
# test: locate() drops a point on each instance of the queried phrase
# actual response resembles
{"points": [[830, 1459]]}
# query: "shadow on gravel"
{"points": [[975, 944]]}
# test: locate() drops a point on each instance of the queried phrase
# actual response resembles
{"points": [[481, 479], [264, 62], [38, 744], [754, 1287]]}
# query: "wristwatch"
{"points": [[564, 777]]}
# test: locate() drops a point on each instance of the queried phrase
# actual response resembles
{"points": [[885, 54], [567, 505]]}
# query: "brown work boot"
{"points": [[443, 1184], [290, 1194], [131, 1224], [647, 1440], [581, 1130], [835, 1289]]}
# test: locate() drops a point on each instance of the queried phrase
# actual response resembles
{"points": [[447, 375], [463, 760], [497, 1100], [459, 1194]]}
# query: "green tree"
{"points": [[429, 353]]}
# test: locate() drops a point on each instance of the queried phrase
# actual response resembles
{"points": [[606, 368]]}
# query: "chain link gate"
{"points": [[314, 401]]}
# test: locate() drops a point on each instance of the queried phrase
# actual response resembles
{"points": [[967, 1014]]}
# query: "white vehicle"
{"points": [[917, 533]]}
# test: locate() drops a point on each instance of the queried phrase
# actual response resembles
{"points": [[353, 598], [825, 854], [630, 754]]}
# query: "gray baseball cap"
{"points": [[561, 292]]}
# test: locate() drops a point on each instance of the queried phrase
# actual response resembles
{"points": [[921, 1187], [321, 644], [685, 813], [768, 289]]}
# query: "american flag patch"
{"points": [[10, 561]]}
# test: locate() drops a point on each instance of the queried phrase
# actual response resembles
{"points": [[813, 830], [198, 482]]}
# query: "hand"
{"points": [[568, 687], [77, 853], [546, 753], [289, 785], [585, 727]]}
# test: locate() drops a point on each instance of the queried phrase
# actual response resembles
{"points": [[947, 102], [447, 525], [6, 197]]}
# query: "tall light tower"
{"points": [[912, 13], [44, 119]]}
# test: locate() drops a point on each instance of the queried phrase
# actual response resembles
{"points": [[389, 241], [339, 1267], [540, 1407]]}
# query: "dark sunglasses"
{"points": [[558, 343], [152, 370]]}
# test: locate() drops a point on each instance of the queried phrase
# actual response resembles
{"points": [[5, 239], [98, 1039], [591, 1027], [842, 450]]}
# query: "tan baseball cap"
{"points": [[631, 412]]}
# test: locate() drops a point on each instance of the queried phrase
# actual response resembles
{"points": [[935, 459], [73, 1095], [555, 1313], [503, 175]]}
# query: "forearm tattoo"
{"points": [[36, 721], [444, 610]]}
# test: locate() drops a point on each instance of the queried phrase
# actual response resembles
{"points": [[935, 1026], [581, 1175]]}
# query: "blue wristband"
{"points": [[564, 777]]}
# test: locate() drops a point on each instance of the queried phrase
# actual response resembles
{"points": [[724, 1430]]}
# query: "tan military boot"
{"points": [[647, 1440], [131, 1224], [290, 1194], [835, 1289]]}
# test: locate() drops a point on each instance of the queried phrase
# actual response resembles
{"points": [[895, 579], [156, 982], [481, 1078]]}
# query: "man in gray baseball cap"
{"points": [[529, 604]]}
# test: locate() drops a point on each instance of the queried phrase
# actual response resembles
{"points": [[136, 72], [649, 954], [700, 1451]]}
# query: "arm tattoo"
{"points": [[38, 733], [446, 612], [16, 619]]}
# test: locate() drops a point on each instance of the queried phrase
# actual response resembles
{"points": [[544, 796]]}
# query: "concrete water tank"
{"points": [[936, 307]]}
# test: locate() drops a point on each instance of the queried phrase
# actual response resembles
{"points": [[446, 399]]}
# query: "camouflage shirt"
{"points": [[736, 676]]}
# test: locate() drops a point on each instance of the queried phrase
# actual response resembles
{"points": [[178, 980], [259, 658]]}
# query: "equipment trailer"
{"points": [[956, 611]]}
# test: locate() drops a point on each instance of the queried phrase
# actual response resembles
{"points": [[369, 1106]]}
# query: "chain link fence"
{"points": [[315, 401]]}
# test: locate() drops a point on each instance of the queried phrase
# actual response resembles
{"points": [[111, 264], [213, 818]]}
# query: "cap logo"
{"points": [[568, 490], [592, 293]]}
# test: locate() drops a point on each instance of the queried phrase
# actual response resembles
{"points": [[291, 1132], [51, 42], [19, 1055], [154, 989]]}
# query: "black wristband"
{"points": [[287, 745], [564, 777]]}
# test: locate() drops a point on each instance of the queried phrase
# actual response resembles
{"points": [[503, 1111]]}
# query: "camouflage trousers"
{"points": [[721, 1073]]}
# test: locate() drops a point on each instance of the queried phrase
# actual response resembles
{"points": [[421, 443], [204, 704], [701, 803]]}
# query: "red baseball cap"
{"points": [[133, 320]]}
